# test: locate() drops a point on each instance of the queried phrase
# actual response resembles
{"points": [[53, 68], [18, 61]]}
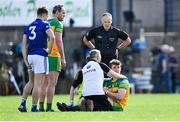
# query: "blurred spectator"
{"points": [[139, 44], [20, 72], [71, 22], [4, 80], [19, 49], [173, 63], [163, 70], [19, 67]]}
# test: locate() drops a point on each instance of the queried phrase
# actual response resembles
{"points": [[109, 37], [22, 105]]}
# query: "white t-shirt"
{"points": [[93, 78]]}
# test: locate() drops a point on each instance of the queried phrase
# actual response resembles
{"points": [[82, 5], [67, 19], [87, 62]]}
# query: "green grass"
{"points": [[146, 107]]}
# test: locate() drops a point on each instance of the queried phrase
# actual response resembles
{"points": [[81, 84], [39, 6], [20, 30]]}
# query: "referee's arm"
{"points": [[125, 43], [88, 43], [88, 38]]}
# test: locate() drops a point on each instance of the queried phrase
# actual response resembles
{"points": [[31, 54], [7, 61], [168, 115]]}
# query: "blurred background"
{"points": [[150, 23]]}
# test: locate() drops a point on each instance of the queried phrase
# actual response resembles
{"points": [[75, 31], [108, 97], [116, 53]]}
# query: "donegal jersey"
{"points": [[113, 86], [37, 37], [56, 26]]}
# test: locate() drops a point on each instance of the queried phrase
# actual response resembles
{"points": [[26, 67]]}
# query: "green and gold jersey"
{"points": [[113, 86], [56, 26]]}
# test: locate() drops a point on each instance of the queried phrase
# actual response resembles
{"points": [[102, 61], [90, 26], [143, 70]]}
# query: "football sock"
{"points": [[34, 107], [49, 106], [41, 105], [23, 102]]}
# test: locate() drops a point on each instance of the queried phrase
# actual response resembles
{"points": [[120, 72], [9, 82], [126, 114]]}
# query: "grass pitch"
{"points": [[145, 107]]}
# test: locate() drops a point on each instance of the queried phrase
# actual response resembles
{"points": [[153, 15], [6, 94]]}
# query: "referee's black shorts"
{"points": [[106, 60]]}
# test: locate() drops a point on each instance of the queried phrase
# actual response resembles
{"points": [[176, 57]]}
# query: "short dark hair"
{"points": [[114, 62], [41, 11], [57, 8]]}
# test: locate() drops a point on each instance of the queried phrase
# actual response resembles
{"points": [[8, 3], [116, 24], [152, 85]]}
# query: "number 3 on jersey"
{"points": [[33, 33]]}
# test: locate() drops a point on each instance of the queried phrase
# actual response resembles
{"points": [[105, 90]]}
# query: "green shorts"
{"points": [[54, 63]]}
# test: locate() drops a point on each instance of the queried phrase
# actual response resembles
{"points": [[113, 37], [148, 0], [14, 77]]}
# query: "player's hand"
{"points": [[29, 68], [47, 50], [28, 65], [63, 61], [105, 89]]}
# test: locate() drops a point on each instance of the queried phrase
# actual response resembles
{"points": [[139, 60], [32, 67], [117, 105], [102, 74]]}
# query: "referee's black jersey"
{"points": [[106, 41]]}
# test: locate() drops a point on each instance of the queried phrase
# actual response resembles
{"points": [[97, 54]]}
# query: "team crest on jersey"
{"points": [[99, 37], [88, 66]]}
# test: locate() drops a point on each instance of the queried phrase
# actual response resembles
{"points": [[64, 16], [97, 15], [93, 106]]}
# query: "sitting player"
{"points": [[117, 90]]}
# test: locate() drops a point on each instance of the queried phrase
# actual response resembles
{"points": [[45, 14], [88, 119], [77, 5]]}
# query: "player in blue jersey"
{"points": [[35, 54]]}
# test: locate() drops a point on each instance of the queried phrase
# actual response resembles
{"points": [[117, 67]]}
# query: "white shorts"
{"points": [[39, 64]]}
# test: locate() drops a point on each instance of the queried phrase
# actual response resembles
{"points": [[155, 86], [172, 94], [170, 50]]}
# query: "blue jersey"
{"points": [[162, 57], [37, 37]]}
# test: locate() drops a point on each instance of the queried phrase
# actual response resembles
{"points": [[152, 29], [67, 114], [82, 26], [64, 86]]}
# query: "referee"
{"points": [[106, 39]]}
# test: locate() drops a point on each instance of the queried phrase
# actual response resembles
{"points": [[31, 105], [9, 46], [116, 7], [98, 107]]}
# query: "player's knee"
{"points": [[52, 84]]}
